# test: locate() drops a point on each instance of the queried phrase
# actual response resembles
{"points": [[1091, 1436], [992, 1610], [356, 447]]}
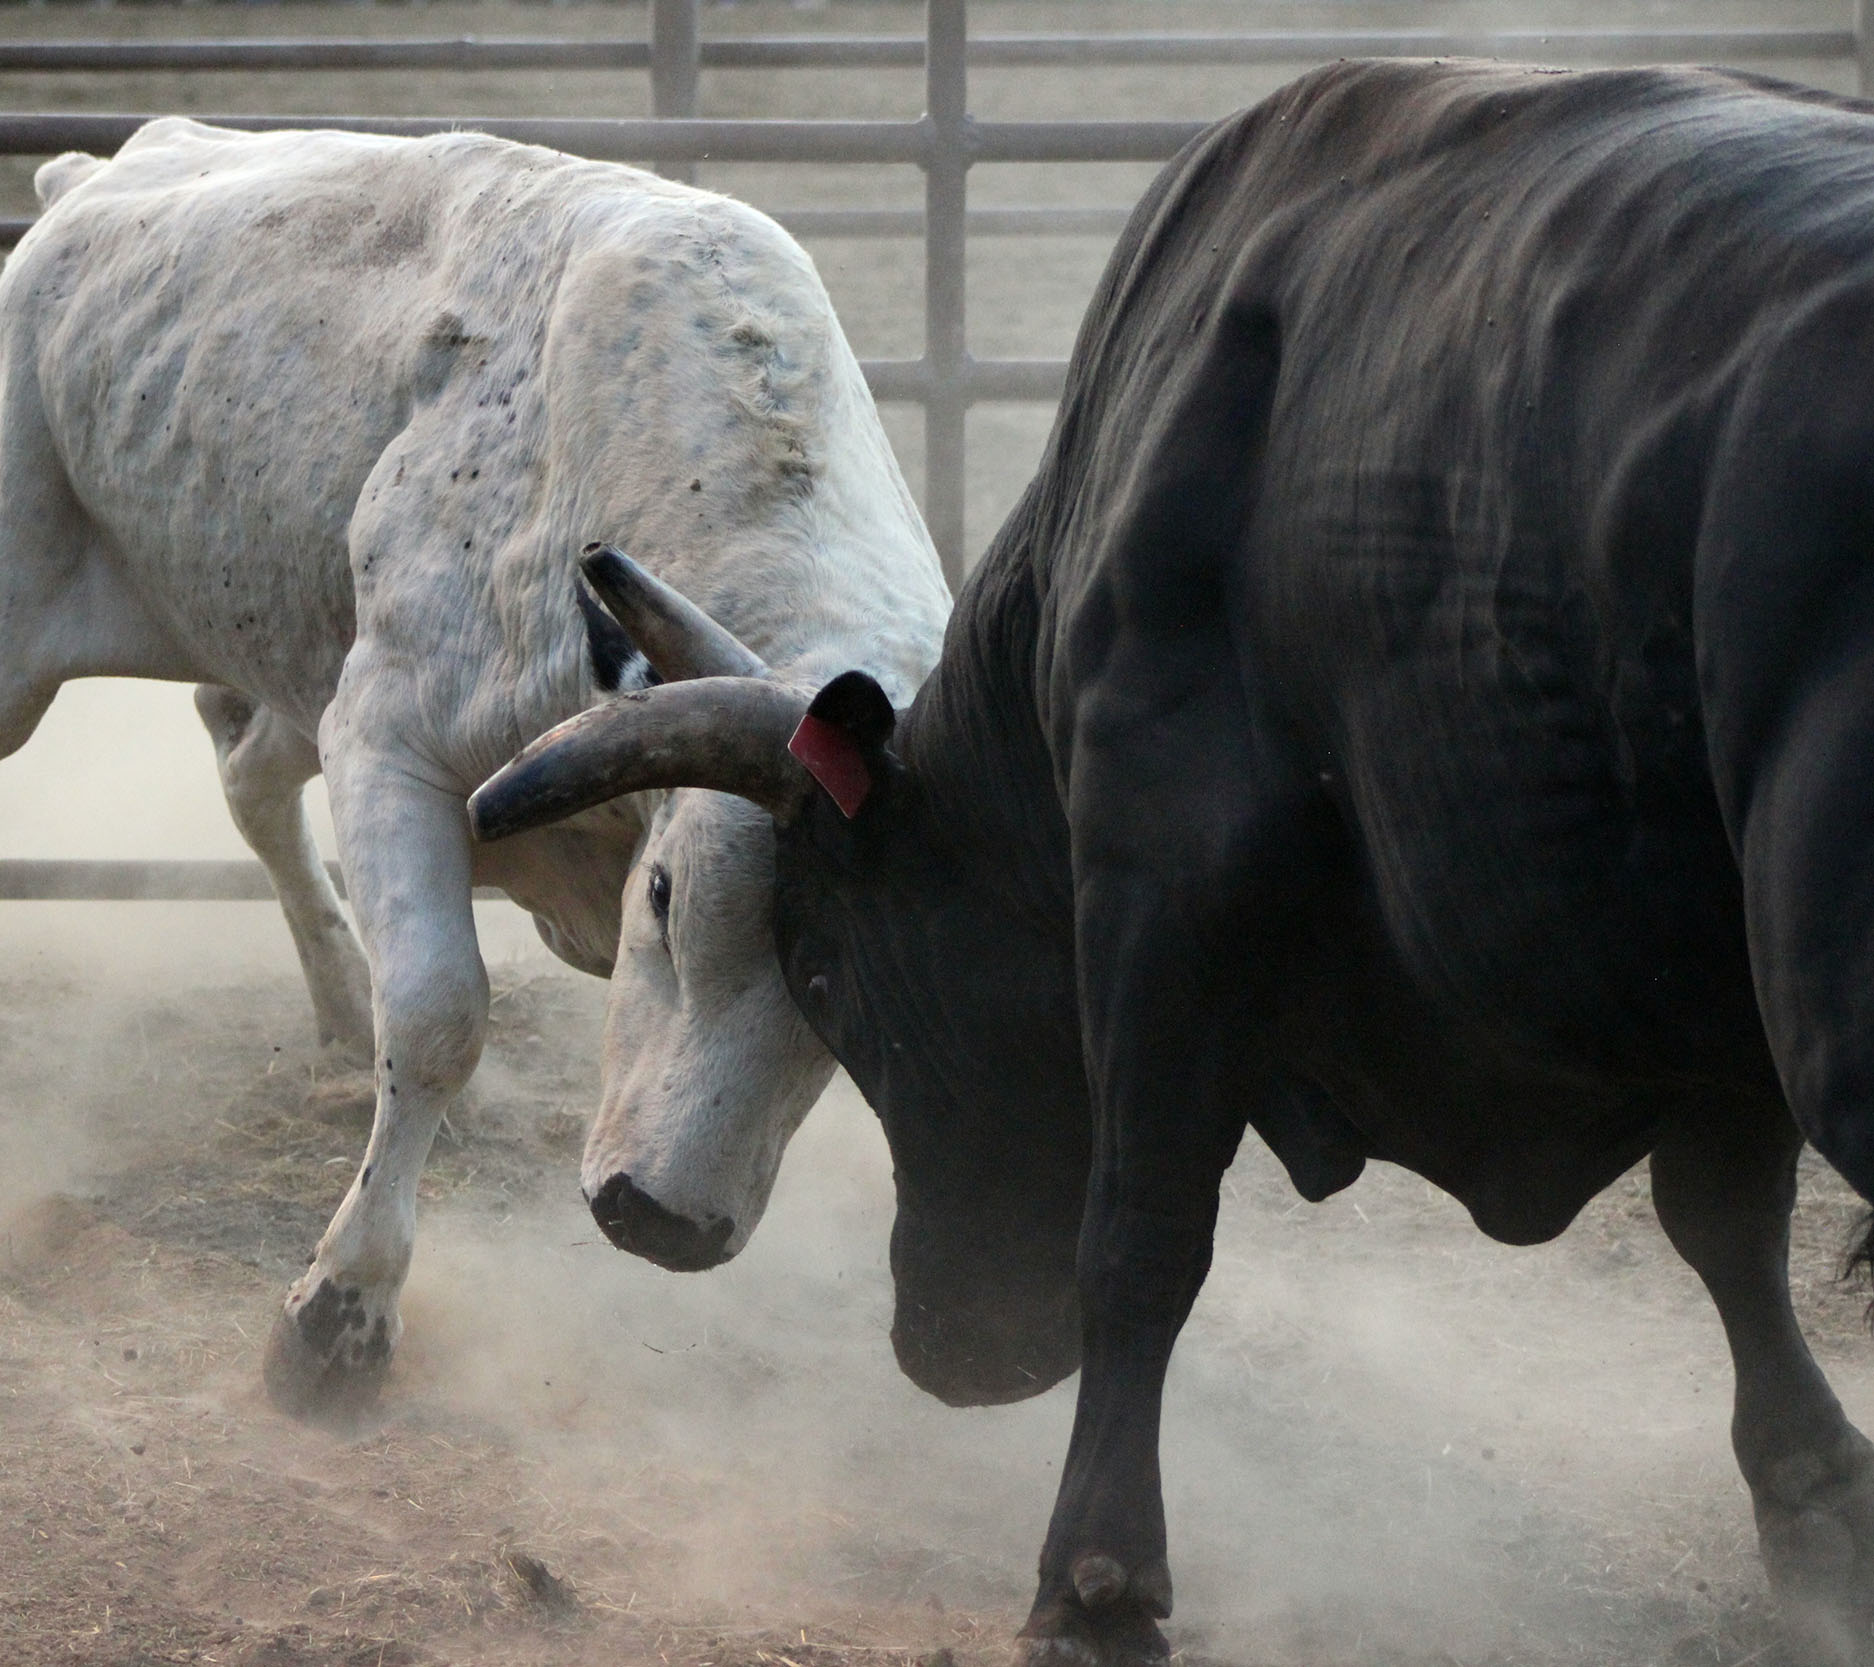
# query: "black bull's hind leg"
{"points": [[1784, 618], [1724, 1186]]}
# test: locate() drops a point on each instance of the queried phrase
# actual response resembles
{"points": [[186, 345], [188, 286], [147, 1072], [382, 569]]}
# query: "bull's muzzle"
{"points": [[633, 1220]]}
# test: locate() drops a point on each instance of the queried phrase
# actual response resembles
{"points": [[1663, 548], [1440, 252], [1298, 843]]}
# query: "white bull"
{"points": [[322, 422]]}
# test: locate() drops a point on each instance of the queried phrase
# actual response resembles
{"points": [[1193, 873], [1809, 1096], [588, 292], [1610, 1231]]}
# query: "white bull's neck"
{"points": [[764, 489]]}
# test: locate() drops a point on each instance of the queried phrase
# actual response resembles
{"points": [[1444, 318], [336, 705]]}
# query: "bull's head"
{"points": [[928, 949], [684, 1151]]}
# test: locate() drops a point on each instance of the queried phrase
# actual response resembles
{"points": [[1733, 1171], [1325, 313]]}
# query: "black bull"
{"points": [[1422, 709]]}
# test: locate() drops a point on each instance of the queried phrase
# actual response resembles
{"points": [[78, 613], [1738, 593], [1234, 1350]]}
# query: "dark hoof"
{"points": [[1110, 1619], [324, 1362], [1066, 1635], [1815, 1522], [633, 1220]]}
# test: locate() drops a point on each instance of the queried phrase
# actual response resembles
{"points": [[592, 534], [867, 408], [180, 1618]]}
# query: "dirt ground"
{"points": [[1388, 1442], [156, 1509]]}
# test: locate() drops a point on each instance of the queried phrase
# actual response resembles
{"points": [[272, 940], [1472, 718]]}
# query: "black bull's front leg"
{"points": [[1175, 1054], [1105, 1578], [1197, 840]]}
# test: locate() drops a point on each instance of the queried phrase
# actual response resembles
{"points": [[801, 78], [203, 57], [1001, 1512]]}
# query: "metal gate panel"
{"points": [[945, 143]]}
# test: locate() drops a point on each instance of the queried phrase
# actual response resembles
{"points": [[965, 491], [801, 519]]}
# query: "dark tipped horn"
{"points": [[725, 733], [673, 633]]}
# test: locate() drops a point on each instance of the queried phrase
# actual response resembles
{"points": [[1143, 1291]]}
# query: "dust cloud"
{"points": [[112, 772], [1387, 1442]]}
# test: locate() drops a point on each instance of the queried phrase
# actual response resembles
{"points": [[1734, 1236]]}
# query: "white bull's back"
{"points": [[462, 359]]}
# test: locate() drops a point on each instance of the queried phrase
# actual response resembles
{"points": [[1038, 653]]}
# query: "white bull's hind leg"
{"points": [[405, 849], [265, 764]]}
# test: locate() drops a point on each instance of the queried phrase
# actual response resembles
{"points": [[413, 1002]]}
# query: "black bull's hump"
{"points": [[1512, 324]]}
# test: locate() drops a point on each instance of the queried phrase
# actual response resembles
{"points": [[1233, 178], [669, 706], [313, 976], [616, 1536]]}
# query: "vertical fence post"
{"points": [[674, 69], [946, 338]]}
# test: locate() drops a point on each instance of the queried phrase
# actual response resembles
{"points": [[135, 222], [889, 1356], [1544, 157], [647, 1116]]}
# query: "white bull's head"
{"points": [[709, 1066]]}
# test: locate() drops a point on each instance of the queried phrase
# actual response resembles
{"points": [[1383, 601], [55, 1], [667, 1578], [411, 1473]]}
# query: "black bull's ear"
{"points": [[750, 736], [841, 740]]}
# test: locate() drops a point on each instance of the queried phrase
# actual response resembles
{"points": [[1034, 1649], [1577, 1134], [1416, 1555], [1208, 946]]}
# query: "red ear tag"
{"points": [[833, 760]]}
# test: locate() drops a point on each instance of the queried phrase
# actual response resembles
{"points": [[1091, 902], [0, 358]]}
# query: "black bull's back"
{"points": [[1490, 354]]}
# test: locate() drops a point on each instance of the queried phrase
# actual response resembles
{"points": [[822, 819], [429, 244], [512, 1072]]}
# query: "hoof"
{"points": [[1109, 1619], [1815, 1522], [325, 1359], [1065, 1635]]}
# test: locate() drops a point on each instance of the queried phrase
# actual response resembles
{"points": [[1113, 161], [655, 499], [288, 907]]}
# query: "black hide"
{"points": [[1422, 709]]}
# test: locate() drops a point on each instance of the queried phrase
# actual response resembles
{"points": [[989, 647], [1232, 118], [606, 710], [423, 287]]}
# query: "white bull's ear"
{"points": [[614, 657], [672, 632]]}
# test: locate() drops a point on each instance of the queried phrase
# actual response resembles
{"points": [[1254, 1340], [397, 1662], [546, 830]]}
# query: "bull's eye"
{"points": [[660, 896]]}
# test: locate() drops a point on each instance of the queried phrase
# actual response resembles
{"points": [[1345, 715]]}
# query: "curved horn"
{"points": [[675, 635], [726, 733]]}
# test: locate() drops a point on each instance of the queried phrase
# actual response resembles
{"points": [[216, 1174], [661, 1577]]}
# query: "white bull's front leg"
{"points": [[404, 845], [265, 763]]}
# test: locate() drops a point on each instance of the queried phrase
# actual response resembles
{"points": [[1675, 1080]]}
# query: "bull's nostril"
{"points": [[635, 1221]]}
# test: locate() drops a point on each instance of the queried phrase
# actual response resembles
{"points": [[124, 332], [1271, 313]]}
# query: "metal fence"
{"points": [[945, 143]]}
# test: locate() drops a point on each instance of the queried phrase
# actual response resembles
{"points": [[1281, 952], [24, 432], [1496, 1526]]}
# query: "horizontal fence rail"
{"points": [[605, 139], [29, 881], [654, 139], [193, 880], [468, 52], [1104, 223]]}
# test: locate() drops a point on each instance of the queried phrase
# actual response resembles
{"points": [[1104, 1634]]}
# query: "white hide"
{"points": [[326, 419]]}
